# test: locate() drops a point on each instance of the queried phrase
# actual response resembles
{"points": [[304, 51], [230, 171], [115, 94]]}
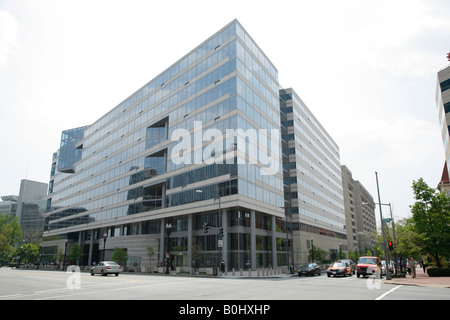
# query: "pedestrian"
{"points": [[413, 267], [408, 266], [423, 265]]}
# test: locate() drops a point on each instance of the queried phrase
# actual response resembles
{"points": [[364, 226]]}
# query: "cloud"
{"points": [[8, 36]]}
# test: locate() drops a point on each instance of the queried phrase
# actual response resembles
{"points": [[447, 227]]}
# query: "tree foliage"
{"points": [[119, 255], [431, 219], [76, 252], [10, 233], [319, 254]]}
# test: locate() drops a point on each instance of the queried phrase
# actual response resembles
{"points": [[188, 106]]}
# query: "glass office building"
{"points": [[200, 143]]}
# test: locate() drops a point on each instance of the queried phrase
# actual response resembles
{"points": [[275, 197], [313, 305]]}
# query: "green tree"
{"points": [[59, 256], [407, 242], [75, 253], [10, 234], [119, 255], [150, 254], [319, 254], [31, 252], [431, 217]]}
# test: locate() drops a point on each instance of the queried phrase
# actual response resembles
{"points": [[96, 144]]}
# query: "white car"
{"points": [[106, 267]]}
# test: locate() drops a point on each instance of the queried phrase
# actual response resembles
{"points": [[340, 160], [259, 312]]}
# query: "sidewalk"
{"points": [[422, 279]]}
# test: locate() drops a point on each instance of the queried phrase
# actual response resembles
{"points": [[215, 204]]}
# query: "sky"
{"points": [[366, 69]]}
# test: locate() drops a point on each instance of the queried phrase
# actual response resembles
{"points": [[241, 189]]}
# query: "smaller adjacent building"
{"points": [[29, 207], [359, 214], [314, 203]]}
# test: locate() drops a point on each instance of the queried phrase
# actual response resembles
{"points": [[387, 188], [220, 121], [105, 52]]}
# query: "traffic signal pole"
{"points": [[386, 252]]}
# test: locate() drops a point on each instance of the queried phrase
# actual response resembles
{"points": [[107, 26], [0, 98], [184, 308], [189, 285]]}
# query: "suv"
{"points": [[368, 266]]}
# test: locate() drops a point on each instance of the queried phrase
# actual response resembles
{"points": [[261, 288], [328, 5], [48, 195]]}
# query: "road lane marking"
{"points": [[11, 296], [81, 292], [386, 293]]}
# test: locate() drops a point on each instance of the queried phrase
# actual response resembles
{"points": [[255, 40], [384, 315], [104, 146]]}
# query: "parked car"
{"points": [[350, 263], [309, 269], [106, 267], [339, 269], [368, 266]]}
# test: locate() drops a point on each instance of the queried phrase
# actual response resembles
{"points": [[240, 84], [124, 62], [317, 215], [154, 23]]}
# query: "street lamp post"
{"points": [[386, 251], [219, 223], [105, 235], [168, 230], [393, 231], [395, 242]]}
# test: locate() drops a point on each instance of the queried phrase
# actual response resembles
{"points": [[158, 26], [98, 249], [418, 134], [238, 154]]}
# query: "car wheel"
{"points": [[117, 274], [92, 272], [103, 273]]}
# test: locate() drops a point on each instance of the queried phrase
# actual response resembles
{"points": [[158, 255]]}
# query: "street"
{"points": [[58, 285]]}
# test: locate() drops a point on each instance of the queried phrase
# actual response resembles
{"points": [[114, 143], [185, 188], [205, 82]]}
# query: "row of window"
{"points": [[176, 69], [445, 85]]}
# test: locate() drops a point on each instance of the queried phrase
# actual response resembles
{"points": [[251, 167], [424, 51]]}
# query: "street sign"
{"points": [[220, 243], [387, 220]]}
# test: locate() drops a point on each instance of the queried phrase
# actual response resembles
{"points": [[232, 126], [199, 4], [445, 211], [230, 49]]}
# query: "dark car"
{"points": [[309, 269]]}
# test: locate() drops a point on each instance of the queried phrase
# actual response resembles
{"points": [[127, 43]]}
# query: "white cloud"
{"points": [[8, 36]]}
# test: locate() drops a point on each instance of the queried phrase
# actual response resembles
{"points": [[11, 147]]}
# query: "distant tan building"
{"points": [[359, 214]]}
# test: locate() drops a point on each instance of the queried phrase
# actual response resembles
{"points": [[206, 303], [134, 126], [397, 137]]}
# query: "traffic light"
{"points": [[205, 227], [283, 243], [391, 245], [221, 232]]}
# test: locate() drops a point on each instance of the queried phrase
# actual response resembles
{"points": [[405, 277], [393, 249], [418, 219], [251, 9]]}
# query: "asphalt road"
{"points": [[57, 285]]}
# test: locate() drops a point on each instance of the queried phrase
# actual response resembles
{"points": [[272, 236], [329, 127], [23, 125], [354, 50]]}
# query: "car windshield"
{"points": [[368, 260], [111, 263], [306, 265], [338, 264]]}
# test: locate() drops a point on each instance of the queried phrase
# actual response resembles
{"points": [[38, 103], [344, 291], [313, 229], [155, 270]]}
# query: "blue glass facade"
{"points": [[68, 154], [208, 123], [211, 139]]}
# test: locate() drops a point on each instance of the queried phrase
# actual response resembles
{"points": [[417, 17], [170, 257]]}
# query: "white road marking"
{"points": [[386, 293]]}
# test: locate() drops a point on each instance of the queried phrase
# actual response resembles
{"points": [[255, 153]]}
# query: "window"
{"points": [[156, 133], [445, 85]]}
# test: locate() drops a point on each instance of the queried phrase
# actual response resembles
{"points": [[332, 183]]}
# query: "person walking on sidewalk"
{"points": [[408, 266], [422, 263], [413, 267]]}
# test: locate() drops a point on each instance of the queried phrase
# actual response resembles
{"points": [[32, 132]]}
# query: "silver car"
{"points": [[106, 267]]}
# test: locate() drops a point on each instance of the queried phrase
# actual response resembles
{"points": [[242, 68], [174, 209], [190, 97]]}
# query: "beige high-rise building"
{"points": [[359, 214]]}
